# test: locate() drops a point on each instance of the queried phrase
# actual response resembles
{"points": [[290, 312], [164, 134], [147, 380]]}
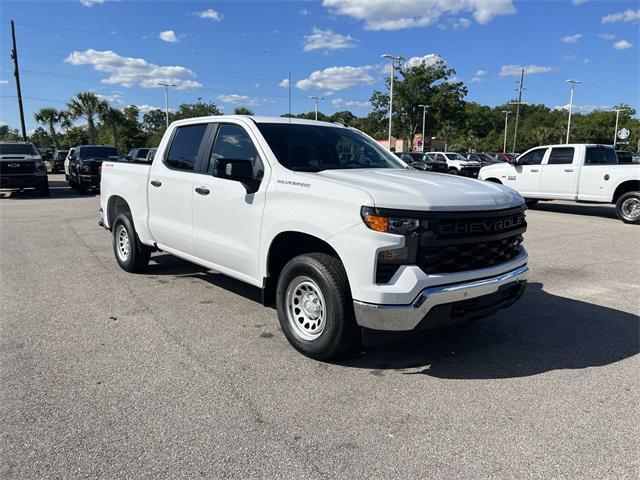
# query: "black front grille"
{"points": [[9, 167], [457, 242]]}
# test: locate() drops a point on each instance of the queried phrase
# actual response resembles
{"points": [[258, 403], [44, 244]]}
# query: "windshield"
{"points": [[17, 149], [98, 152], [313, 148], [455, 156]]}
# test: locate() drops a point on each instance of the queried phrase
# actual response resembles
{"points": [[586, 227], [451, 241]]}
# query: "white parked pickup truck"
{"points": [[576, 172], [341, 236], [458, 165]]}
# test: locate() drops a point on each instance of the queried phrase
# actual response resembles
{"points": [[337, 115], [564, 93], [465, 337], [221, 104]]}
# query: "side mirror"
{"points": [[238, 171]]}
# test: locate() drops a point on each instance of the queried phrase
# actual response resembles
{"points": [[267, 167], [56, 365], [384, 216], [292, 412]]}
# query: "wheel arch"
{"points": [[115, 206], [493, 180], [283, 247], [624, 187]]}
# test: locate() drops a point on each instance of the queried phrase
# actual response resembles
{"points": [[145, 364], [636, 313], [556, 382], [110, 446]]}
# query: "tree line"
{"points": [[463, 125]]}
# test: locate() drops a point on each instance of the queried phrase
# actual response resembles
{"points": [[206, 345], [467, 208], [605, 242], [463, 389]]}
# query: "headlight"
{"points": [[389, 260]]}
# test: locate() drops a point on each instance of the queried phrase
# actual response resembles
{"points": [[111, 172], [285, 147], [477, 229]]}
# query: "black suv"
{"points": [[421, 161], [85, 165], [57, 162], [21, 166]]}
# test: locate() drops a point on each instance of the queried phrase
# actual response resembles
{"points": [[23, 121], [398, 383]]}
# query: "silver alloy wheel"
{"points": [[631, 208], [123, 246], [306, 308]]}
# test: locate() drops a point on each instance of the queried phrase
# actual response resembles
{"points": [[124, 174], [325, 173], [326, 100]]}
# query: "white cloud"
{"points": [[304, 11], [479, 76], [356, 104], [210, 14], [455, 23], [578, 2], [91, 3], [337, 78], [4, 82], [622, 45], [428, 60], [625, 17], [327, 40], [396, 15], [515, 70], [583, 108], [607, 36], [284, 83], [168, 36], [236, 99], [571, 38], [113, 97], [148, 108], [129, 71], [586, 60]]}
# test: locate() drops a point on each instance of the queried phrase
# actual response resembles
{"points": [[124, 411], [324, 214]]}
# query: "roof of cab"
{"points": [[259, 119]]}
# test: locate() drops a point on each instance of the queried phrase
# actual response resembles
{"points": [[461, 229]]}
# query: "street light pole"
{"points": [[573, 86], [166, 99], [424, 116], [520, 90], [313, 97], [394, 59], [506, 126], [615, 131]]}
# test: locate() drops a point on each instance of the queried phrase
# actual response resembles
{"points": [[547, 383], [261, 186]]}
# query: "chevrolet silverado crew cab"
{"points": [[338, 233], [575, 172], [21, 166]]}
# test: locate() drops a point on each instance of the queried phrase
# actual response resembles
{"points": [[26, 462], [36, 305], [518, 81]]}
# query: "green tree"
{"points": [[74, 136], [242, 111], [86, 105], [131, 132], [51, 117], [9, 134], [198, 109], [41, 138], [113, 119]]}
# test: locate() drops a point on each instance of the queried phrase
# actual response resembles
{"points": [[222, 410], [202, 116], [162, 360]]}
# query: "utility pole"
{"points": [[166, 99], [424, 116], [16, 73], [615, 130], [316, 98], [573, 86], [506, 126], [394, 59], [520, 90]]}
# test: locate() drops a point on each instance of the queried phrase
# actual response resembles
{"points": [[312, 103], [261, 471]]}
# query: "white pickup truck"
{"points": [[338, 233], [458, 165], [576, 172]]}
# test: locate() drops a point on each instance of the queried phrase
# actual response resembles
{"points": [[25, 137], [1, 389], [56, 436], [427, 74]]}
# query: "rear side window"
{"points": [[532, 158], [185, 146], [561, 156], [600, 156], [233, 143]]}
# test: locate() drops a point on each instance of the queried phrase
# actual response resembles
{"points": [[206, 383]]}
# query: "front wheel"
{"points": [[132, 256], [628, 207], [315, 308]]}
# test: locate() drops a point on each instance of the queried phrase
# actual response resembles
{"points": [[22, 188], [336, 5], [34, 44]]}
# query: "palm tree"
{"points": [[51, 117], [88, 106], [113, 118], [242, 111]]}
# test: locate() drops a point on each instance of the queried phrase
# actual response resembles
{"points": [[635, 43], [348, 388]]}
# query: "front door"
{"points": [[525, 177], [170, 189], [226, 220]]}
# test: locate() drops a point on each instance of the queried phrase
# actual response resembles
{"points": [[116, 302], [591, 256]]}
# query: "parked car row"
{"points": [[442, 162]]}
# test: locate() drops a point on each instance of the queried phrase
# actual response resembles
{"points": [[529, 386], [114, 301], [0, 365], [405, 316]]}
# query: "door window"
{"points": [[185, 146], [233, 143], [561, 156], [532, 158], [600, 156]]}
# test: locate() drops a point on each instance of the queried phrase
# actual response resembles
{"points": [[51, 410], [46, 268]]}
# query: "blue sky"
{"points": [[239, 52]]}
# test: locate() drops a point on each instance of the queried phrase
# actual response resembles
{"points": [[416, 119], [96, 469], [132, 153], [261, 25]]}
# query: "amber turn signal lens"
{"points": [[374, 222]]}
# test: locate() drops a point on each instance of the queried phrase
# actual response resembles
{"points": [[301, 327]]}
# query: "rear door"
{"points": [[598, 174], [226, 220], [559, 176], [171, 186]]}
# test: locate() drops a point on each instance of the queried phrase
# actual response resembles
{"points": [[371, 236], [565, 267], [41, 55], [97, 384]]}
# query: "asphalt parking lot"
{"points": [[181, 373]]}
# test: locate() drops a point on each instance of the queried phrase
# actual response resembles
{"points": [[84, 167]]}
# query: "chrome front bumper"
{"points": [[399, 318]]}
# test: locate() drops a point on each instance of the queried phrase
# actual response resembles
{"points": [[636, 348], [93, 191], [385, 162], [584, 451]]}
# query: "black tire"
{"points": [[339, 334], [43, 189], [82, 188], [138, 255], [530, 202], [623, 210], [453, 171]]}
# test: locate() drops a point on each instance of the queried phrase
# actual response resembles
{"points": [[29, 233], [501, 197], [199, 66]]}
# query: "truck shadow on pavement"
{"points": [[540, 333], [589, 210]]}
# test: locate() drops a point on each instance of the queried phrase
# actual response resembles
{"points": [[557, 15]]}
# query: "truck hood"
{"points": [[417, 190]]}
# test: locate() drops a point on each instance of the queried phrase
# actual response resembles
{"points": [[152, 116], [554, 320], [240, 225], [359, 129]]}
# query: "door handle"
{"points": [[568, 169], [156, 183], [202, 191], [534, 170]]}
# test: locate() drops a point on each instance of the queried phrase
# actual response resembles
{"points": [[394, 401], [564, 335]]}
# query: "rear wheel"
{"points": [[131, 255], [315, 307], [628, 207]]}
